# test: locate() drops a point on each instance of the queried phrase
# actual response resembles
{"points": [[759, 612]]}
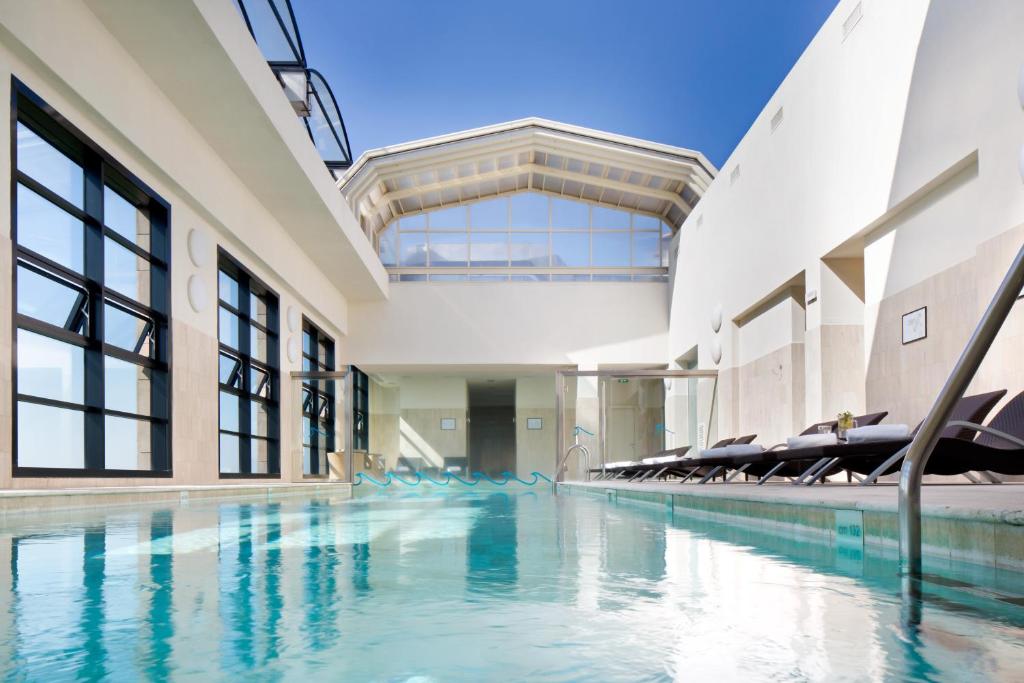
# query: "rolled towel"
{"points": [[877, 433], [737, 449], [620, 463], [808, 440], [744, 449], [661, 460]]}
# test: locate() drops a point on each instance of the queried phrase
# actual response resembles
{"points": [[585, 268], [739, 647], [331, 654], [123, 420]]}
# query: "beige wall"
{"points": [[535, 448]]}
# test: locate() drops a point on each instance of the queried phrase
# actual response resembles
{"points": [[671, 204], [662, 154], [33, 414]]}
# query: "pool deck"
{"points": [[30, 501], [981, 524]]}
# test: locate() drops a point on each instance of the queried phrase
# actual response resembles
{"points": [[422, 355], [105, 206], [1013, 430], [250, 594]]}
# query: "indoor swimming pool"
{"points": [[478, 585]]}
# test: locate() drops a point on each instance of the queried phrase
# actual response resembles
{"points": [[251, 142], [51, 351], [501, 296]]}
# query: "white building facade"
{"points": [[176, 248]]}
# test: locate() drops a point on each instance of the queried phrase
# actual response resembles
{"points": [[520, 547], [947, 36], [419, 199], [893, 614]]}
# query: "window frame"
{"points": [[272, 367], [317, 336], [418, 231], [360, 405], [100, 170]]}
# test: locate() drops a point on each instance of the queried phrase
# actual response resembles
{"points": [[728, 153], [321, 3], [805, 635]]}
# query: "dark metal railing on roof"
{"points": [[272, 25]]}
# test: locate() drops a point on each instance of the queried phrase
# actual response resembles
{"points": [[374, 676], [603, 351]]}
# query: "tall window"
{"points": [[91, 301], [360, 410], [318, 399], [249, 391], [527, 236]]}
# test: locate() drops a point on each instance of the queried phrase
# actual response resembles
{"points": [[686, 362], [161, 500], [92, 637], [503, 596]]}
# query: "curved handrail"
{"points": [[927, 436]]}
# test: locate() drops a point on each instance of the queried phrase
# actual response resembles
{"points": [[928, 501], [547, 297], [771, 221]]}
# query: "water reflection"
{"points": [[492, 547], [480, 586]]}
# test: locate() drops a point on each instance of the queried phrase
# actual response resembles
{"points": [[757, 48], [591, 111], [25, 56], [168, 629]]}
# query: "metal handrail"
{"points": [[577, 430], [921, 447], [586, 457]]}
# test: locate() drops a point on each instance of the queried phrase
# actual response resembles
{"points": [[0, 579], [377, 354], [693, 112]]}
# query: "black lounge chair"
{"points": [[634, 469], [996, 448], [874, 458], [762, 462]]}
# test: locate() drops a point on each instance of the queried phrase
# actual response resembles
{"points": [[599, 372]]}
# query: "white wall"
{"points": [[899, 145], [520, 323]]}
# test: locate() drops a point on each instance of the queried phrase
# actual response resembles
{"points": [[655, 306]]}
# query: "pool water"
{"points": [[496, 585]]}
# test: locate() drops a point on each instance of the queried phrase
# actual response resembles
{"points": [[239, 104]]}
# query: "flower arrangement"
{"points": [[845, 419]]}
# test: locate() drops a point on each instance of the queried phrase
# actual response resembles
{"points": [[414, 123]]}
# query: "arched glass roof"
{"points": [[531, 155]]}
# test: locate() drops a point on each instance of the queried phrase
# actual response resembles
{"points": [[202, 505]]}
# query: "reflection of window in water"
{"points": [[492, 546]]}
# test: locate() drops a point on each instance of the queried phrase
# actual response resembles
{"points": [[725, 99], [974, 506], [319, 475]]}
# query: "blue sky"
{"points": [[685, 72]]}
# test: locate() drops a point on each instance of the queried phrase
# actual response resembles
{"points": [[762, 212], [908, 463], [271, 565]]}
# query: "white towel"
{"points": [[744, 449], [661, 460], [736, 449], [808, 440], [877, 433], [620, 463]]}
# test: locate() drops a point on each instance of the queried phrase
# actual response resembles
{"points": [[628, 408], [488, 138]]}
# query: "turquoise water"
{"points": [[496, 585]]}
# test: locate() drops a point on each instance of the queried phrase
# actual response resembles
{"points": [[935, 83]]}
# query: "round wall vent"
{"points": [[197, 297], [198, 248]]}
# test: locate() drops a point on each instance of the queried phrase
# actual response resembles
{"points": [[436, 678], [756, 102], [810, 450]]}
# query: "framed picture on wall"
{"points": [[448, 424], [915, 325], [535, 423]]}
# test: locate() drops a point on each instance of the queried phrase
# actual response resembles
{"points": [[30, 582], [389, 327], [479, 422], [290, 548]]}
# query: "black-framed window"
{"points": [[318, 400], [91, 305], [247, 327], [360, 410]]}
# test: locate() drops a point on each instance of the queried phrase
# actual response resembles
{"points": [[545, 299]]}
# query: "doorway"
{"points": [[492, 427]]}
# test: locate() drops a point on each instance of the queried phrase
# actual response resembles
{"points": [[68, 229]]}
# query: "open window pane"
{"points": [[50, 231], [259, 382], [127, 443], [49, 368], [43, 163], [125, 271], [126, 386], [125, 218], [50, 437], [128, 331], [51, 300], [230, 371]]}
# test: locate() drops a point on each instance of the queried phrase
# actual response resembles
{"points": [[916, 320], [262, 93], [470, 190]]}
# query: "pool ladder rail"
{"points": [[577, 430]]}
